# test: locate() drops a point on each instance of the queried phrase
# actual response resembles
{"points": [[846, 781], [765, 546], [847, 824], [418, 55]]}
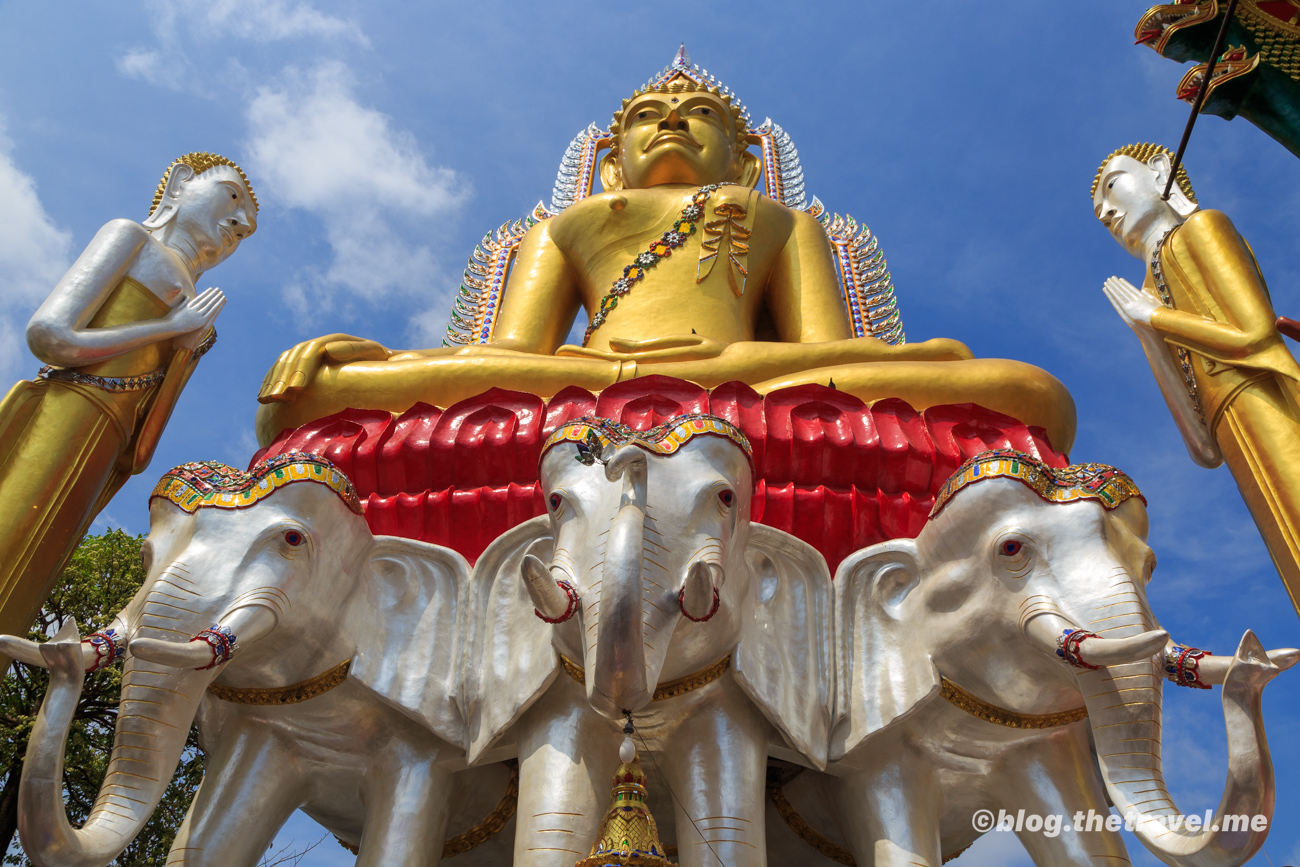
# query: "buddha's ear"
{"points": [[610, 174], [1163, 166], [166, 210], [751, 168]]}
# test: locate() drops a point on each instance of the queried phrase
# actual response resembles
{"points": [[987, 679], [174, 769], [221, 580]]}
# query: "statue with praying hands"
{"points": [[120, 335], [1209, 331]]}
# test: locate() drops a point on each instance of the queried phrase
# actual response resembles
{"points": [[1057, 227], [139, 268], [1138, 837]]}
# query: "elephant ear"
{"points": [[883, 664], [509, 656], [785, 660], [409, 652]]}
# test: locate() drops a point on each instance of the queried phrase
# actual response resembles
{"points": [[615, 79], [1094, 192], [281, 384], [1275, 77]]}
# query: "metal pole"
{"points": [[1200, 95]]}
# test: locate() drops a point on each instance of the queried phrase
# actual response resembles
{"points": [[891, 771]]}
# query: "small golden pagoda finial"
{"points": [[628, 833]]}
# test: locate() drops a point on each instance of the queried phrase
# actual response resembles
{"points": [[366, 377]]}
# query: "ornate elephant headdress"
{"points": [[594, 435], [1107, 485], [201, 484]]}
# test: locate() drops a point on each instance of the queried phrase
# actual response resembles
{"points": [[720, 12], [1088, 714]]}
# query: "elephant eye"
{"points": [[293, 538], [727, 497], [555, 501], [1011, 547]]}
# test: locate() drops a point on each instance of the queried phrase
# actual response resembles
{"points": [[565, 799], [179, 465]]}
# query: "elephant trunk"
{"points": [[618, 681], [157, 707], [1124, 709]]}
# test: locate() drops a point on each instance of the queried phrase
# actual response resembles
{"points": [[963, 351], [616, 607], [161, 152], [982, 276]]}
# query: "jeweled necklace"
{"points": [[1184, 357], [659, 249], [981, 709]]}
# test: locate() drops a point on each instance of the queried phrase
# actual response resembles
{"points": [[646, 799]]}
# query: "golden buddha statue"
{"points": [[683, 270], [1208, 329], [121, 333]]}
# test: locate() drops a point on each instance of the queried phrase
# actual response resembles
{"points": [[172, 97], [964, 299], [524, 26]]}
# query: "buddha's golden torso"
{"points": [[789, 292], [599, 242]]}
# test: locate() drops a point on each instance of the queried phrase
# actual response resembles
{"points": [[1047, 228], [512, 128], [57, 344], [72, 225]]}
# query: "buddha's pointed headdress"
{"points": [[683, 76], [682, 67]]}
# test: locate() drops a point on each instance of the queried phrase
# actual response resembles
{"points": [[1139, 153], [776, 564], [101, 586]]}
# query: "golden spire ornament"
{"points": [[628, 833]]}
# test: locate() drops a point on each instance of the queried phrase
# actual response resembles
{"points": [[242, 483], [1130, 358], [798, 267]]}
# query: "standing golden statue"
{"points": [[121, 334], [683, 269], [1209, 331]]}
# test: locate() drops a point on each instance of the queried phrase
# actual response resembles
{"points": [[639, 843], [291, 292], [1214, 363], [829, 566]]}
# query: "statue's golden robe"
{"points": [[1237, 371], [65, 450]]}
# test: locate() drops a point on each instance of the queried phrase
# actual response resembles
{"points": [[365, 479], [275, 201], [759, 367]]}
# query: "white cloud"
{"points": [[269, 20], [240, 447], [429, 328], [314, 147], [183, 27], [34, 254], [258, 20], [146, 65]]}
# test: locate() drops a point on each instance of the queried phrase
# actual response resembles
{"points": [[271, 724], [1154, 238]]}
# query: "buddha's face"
{"points": [[1128, 201], [215, 211], [678, 138]]}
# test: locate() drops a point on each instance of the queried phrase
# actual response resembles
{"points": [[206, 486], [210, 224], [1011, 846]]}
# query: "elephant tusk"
{"points": [[173, 654], [22, 649], [1211, 670], [698, 597], [211, 647], [554, 601], [1088, 650], [98, 650], [1117, 651]]}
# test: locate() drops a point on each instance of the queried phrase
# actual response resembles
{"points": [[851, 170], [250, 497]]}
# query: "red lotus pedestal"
{"points": [[832, 471]]}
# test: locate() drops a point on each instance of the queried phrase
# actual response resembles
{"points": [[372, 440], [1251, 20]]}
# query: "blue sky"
{"points": [[384, 139]]}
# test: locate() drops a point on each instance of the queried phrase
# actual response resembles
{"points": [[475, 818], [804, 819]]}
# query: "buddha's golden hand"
{"points": [[297, 367], [686, 347]]}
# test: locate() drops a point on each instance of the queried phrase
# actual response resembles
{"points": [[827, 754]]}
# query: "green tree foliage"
{"points": [[99, 580]]}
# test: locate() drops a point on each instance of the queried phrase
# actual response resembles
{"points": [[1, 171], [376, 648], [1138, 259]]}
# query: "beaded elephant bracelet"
{"points": [[1183, 666], [1068, 647], [108, 645], [222, 643]]}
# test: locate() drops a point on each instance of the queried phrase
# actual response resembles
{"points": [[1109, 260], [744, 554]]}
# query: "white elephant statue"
{"points": [[981, 665], [647, 591], [320, 660]]}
